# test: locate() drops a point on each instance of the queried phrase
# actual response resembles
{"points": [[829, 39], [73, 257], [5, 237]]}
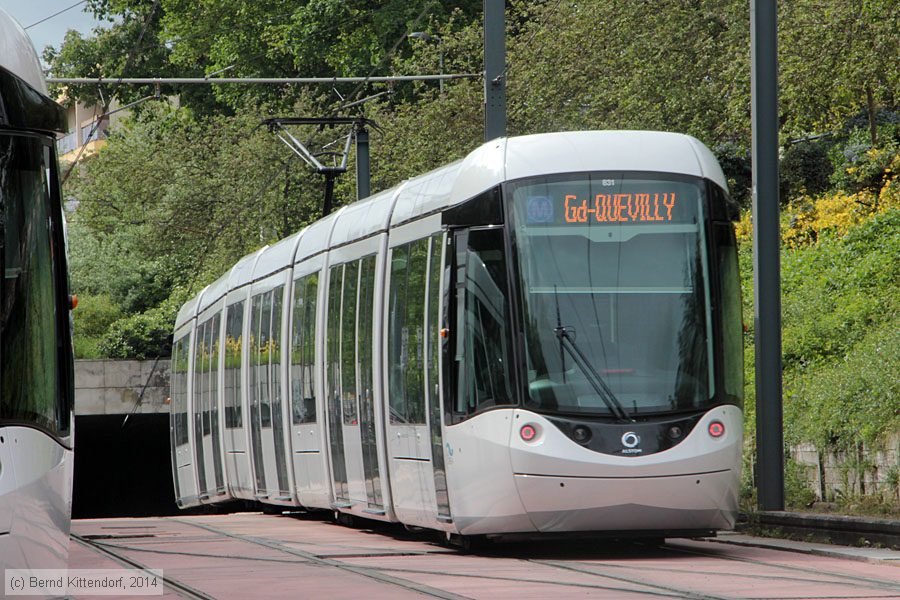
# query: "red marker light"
{"points": [[528, 432], [716, 429]]}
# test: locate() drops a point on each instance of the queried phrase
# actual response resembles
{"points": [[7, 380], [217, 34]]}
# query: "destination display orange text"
{"points": [[620, 208]]}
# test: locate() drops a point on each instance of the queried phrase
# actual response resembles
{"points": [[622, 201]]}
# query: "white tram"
{"points": [[36, 372], [542, 337]]}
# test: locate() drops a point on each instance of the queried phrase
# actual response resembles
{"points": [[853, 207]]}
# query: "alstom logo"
{"points": [[631, 440]]}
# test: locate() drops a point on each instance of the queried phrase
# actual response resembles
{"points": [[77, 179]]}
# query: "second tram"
{"points": [[544, 337]]}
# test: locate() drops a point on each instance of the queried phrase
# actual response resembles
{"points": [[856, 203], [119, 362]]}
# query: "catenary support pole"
{"points": [[766, 255], [363, 174], [494, 69]]}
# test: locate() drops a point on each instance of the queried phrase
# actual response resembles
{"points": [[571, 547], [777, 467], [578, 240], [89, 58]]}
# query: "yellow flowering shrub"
{"points": [[807, 218], [743, 229], [836, 213]]}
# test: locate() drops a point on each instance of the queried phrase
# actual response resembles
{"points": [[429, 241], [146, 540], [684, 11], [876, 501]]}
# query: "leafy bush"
{"points": [[857, 166], [804, 170], [92, 318], [853, 398], [736, 165], [835, 291], [840, 342], [834, 214], [144, 335]]}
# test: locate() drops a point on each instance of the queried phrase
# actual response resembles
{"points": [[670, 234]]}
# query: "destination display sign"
{"points": [[633, 203], [619, 208]]}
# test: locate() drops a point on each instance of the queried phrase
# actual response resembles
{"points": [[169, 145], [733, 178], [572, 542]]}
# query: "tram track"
{"points": [[892, 586], [592, 569], [379, 573], [681, 592], [331, 562], [795, 575], [179, 587]]}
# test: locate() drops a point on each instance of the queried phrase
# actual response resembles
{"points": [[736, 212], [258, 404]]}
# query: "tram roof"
{"points": [[17, 54], [580, 151], [426, 193], [316, 237], [363, 218], [213, 292], [188, 310], [278, 256]]}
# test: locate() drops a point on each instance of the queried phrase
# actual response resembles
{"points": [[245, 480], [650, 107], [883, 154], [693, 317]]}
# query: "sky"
{"points": [[52, 31]]}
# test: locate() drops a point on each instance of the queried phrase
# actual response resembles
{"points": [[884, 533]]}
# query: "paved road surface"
{"points": [[251, 555]]}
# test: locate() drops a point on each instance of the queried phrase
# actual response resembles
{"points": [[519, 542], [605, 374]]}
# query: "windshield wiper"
{"points": [[567, 342]]}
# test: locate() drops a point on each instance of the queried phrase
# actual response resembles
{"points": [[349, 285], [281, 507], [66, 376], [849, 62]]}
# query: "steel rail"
{"points": [[873, 582], [328, 562], [683, 593], [182, 589]]}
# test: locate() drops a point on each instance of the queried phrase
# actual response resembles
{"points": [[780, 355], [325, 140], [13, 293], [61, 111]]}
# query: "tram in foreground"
{"points": [[36, 360], [544, 337]]}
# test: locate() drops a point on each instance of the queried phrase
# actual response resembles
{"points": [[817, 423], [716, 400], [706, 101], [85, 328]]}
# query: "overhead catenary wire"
{"points": [[56, 14], [254, 80]]}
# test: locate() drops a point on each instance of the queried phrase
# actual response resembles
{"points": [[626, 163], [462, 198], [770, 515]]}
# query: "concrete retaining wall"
{"points": [[862, 472], [120, 387]]}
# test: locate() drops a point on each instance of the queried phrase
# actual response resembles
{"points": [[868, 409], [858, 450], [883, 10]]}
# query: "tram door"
{"points": [[306, 440], [349, 386], [237, 464], [418, 482], [182, 459], [206, 411], [266, 420]]}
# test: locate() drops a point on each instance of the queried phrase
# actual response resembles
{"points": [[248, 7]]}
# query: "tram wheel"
{"points": [[347, 520], [464, 543]]}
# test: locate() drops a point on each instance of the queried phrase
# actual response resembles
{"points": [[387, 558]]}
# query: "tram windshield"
{"points": [[29, 320], [612, 273]]}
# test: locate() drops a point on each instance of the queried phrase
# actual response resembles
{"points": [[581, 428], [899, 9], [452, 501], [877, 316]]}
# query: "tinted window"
{"points": [[234, 337], [484, 362], [333, 343], [32, 320], [303, 350], [348, 345], [179, 390], [732, 320], [613, 268], [407, 332]]}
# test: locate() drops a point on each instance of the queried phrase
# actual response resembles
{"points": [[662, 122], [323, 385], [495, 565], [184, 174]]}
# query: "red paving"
{"points": [[250, 555]]}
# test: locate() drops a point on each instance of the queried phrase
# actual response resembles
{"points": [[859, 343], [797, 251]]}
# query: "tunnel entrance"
{"points": [[122, 468]]}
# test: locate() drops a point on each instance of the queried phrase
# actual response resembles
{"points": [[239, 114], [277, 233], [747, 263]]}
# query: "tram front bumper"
{"points": [[564, 487], [674, 503]]}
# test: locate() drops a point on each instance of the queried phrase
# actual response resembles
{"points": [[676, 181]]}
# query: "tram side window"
{"points": [[434, 324], [179, 390], [407, 332], [732, 320], [234, 323], [201, 365], [30, 308], [253, 359], [483, 375], [215, 339], [264, 348], [303, 350], [348, 344], [364, 339], [333, 342], [274, 356]]}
